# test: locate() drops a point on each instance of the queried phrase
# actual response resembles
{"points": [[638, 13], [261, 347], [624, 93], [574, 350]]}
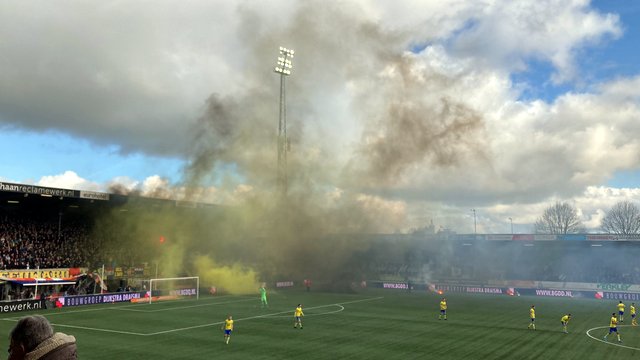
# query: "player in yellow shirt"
{"points": [[621, 311], [228, 328], [532, 315], [297, 316], [443, 309], [632, 311], [613, 327], [565, 320]]}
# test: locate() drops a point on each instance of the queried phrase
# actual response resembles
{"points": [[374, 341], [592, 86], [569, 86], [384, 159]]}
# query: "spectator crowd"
{"points": [[29, 243]]}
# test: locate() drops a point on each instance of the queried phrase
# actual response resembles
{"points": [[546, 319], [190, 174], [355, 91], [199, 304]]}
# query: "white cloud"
{"points": [[68, 180], [157, 187], [592, 205], [507, 33], [447, 120], [136, 78]]}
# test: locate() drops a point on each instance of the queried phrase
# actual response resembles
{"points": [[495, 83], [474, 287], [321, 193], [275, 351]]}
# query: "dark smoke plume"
{"points": [[235, 144]]}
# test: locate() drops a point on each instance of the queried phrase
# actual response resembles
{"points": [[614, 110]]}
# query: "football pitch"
{"points": [[373, 324]]}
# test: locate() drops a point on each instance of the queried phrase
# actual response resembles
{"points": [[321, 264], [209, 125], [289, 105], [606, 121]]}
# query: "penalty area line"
{"points": [[361, 300], [98, 329], [341, 308], [607, 342], [183, 307], [84, 328]]}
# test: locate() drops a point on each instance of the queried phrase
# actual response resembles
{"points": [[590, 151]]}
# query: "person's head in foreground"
{"points": [[33, 338]]}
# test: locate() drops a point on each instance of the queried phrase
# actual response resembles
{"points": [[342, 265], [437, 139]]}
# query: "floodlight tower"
{"points": [[474, 223], [284, 69]]}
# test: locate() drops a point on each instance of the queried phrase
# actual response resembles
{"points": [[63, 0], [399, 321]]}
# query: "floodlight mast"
{"points": [[284, 67]]}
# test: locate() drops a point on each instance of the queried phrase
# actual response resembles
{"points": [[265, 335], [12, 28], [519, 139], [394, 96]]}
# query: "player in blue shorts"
{"points": [[297, 316], [228, 328], [613, 327], [443, 309]]}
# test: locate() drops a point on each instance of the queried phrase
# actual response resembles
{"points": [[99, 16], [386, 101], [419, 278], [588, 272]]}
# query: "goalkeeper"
{"points": [[263, 295]]}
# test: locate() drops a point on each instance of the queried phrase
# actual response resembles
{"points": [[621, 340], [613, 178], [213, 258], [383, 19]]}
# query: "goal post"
{"points": [[173, 288]]}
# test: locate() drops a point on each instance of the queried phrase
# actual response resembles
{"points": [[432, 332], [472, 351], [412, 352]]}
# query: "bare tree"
{"points": [[623, 218], [560, 218]]}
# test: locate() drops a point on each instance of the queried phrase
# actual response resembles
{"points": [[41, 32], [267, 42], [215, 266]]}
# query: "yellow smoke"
{"points": [[171, 259], [235, 279]]}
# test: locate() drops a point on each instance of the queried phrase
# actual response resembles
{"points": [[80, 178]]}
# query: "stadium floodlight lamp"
{"points": [[287, 52], [284, 64]]}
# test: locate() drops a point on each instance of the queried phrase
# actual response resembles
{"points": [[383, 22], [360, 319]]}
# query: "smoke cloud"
{"points": [[408, 116], [235, 143], [385, 116], [235, 279], [403, 102]]}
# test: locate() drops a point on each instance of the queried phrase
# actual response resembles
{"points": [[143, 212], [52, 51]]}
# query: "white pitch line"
{"points": [[14, 319], [184, 307], [609, 343], [308, 315], [126, 308], [356, 301], [98, 329], [257, 317], [183, 300], [87, 328], [75, 311]]}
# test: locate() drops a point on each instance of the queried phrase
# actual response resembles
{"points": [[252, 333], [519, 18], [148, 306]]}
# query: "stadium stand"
{"points": [[53, 228], [480, 260], [31, 242]]}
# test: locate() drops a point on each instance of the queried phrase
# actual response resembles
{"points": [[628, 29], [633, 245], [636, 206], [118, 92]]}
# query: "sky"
{"points": [[416, 112]]}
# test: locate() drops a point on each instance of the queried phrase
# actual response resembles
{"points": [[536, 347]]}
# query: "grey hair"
{"points": [[30, 331]]}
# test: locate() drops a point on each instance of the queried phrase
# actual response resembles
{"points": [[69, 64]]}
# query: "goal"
{"points": [[173, 288]]}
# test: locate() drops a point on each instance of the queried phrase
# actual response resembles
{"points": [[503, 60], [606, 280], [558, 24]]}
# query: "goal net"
{"points": [[173, 288]]}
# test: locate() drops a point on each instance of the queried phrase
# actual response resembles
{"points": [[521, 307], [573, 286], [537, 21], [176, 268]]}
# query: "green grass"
{"points": [[370, 325]]}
